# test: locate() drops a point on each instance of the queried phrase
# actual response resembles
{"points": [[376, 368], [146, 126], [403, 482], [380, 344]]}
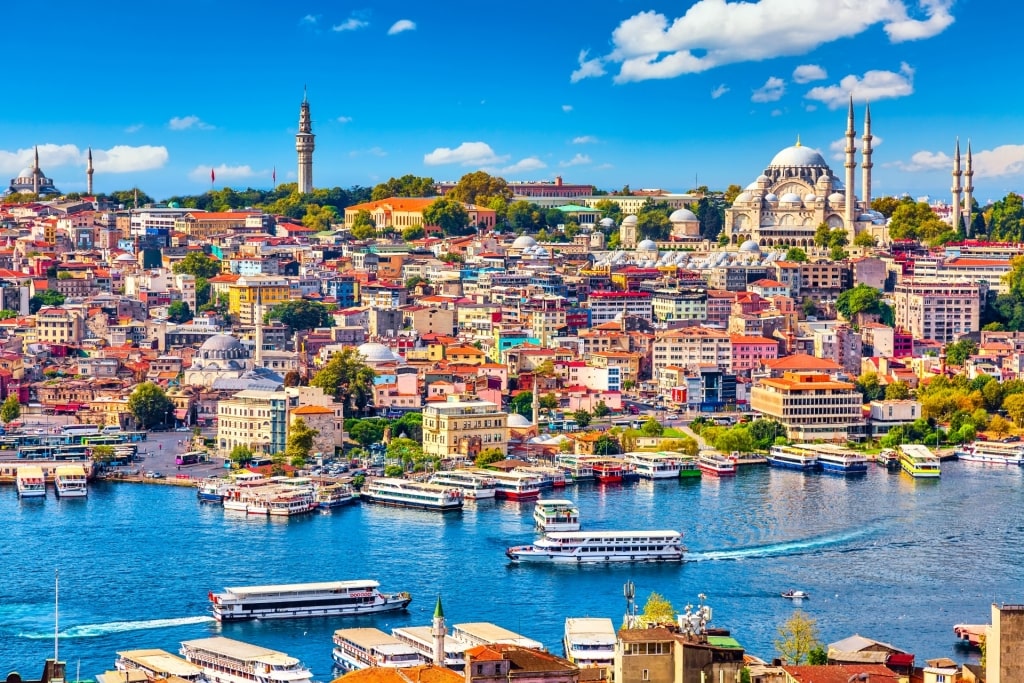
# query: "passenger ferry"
{"points": [[834, 459], [324, 599], [688, 468], [296, 502], [362, 648], [716, 465], [655, 465], [231, 661], [70, 482], [334, 495], [589, 642], [550, 477], [918, 461], [608, 471], [601, 546], [792, 458], [158, 664], [413, 494], [889, 459], [556, 515], [212, 490], [474, 485], [580, 469], [486, 633], [992, 452], [515, 485], [30, 482], [421, 639]]}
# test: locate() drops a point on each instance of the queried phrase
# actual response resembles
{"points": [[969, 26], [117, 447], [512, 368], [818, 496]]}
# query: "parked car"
{"points": [[671, 416]]}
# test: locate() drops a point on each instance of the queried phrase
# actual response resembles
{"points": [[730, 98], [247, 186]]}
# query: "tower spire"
{"points": [[88, 174], [968, 190], [258, 355], [304, 145], [866, 166], [851, 166], [438, 630], [957, 189], [35, 172]]}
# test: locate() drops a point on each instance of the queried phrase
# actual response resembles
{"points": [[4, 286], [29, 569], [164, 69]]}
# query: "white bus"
{"points": [[79, 430]]}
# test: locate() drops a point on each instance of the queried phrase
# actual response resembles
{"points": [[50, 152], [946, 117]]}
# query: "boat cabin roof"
{"points": [[551, 502], [161, 662], [243, 591], [238, 650]]}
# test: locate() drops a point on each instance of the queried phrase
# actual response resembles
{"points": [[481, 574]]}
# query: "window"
{"points": [[645, 675]]}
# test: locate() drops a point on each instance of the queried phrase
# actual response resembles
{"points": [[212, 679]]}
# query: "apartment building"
{"points": [[811, 406], [936, 309], [463, 428], [607, 306], [669, 305], [749, 351], [691, 346], [253, 418], [246, 292]]}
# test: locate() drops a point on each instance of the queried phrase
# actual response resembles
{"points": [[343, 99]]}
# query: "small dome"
{"points": [[221, 342], [523, 241], [771, 197], [517, 421], [377, 353], [682, 216], [797, 155], [866, 217], [750, 246], [790, 197], [837, 197], [647, 245], [607, 222], [753, 186], [763, 178], [630, 220], [810, 197], [25, 173], [743, 197], [125, 258]]}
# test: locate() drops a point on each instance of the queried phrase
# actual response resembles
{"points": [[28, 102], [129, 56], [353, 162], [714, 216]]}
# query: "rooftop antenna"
{"points": [[629, 591]]}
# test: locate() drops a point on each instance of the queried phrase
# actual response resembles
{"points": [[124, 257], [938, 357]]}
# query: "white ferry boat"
{"points": [[294, 502], [486, 633], [158, 664], [515, 485], [590, 642], [231, 661], [550, 477], [833, 459], [474, 485], [334, 495], [70, 482], [421, 639], [212, 490], [556, 515], [992, 452], [578, 468], [918, 461], [716, 465], [655, 465], [413, 494], [602, 546], [362, 648], [328, 598], [792, 458], [30, 482]]}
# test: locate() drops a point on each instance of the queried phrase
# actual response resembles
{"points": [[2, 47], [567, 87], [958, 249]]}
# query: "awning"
{"points": [[180, 413]]}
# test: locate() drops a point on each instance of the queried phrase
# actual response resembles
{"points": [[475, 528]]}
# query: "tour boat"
{"points": [[70, 482], [421, 639], [579, 547], [889, 459], [550, 477], [363, 648], [655, 465], [515, 485], [413, 494], [919, 462], [158, 664], [334, 495], [296, 502], [580, 469], [590, 641], [325, 599], [716, 464], [992, 452], [30, 482], [212, 490], [833, 459], [231, 661], [791, 458], [795, 595], [485, 633], [474, 485], [608, 471], [556, 515], [688, 468]]}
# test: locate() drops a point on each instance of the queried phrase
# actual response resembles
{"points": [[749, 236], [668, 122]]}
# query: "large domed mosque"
{"points": [[798, 192]]}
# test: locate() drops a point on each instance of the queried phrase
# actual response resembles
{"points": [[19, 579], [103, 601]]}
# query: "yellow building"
{"points": [[203, 225], [811, 406], [396, 212], [627, 363], [58, 326], [463, 428], [465, 355], [247, 291], [253, 418]]}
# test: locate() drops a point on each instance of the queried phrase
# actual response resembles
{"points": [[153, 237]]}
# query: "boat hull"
{"points": [[32, 493], [391, 605], [71, 493], [809, 466], [341, 502], [517, 495], [611, 558], [449, 507], [659, 474], [844, 470], [713, 472]]}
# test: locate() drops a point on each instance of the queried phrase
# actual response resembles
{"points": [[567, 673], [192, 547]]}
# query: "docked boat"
{"points": [[556, 515], [473, 484], [992, 453], [655, 465], [918, 461], [212, 490], [833, 459], [795, 595], [792, 458], [334, 495], [30, 481], [590, 642], [515, 485], [580, 547], [550, 477], [889, 459], [324, 599], [290, 503], [579, 469], [716, 465], [688, 468], [413, 494], [608, 471], [70, 482], [363, 648], [232, 661], [421, 639], [158, 664]]}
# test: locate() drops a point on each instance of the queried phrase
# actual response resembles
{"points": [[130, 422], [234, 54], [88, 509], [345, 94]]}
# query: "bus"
{"points": [[190, 458], [79, 430], [102, 440]]}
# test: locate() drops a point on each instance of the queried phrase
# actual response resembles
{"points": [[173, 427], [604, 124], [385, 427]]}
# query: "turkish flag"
{"points": [[213, 176]]}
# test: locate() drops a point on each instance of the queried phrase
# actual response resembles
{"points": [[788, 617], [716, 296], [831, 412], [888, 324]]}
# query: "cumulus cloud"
{"points": [[223, 173], [344, 119], [309, 20], [135, 128], [466, 154], [838, 147], [805, 73], [188, 122], [1004, 160], [772, 91], [719, 91], [871, 87], [401, 26], [350, 24], [713, 33], [584, 140], [117, 159], [567, 108], [523, 165], [577, 160]]}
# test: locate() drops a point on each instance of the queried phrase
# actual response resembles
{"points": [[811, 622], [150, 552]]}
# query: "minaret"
{"points": [[438, 631], [956, 186], [257, 359], [969, 190], [851, 166], [866, 166], [35, 173], [536, 402], [304, 146], [88, 174]]}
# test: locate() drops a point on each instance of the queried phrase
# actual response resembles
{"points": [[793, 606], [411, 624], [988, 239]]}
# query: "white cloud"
{"points": [[578, 160], [223, 172], [567, 108], [523, 165], [117, 159], [584, 140], [400, 26], [776, 112], [713, 33], [838, 147], [350, 24], [719, 91], [466, 154], [810, 107], [805, 73], [873, 86], [187, 122], [589, 68], [134, 128], [372, 151], [309, 20], [772, 91], [1005, 160], [344, 119]]}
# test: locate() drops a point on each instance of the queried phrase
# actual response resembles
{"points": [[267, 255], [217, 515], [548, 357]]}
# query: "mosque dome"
{"points": [[750, 246], [810, 197], [125, 258], [753, 186], [517, 421], [647, 245], [743, 197], [373, 352], [630, 219], [682, 215], [790, 197], [771, 197], [798, 155], [222, 347], [607, 222], [837, 197], [25, 173], [522, 242]]}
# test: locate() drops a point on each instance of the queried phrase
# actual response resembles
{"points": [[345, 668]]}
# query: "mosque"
{"points": [[798, 192], [33, 181]]}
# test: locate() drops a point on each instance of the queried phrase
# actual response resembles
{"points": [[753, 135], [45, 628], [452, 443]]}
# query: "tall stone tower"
{"points": [[968, 190], [88, 174], [957, 189], [35, 172], [304, 145], [438, 630], [866, 165], [851, 168]]}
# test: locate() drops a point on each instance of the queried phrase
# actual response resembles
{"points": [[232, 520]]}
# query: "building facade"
{"points": [[811, 406], [463, 428], [936, 309]]}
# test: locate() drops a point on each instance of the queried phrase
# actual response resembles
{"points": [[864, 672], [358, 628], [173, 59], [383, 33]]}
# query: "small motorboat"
{"points": [[795, 595]]}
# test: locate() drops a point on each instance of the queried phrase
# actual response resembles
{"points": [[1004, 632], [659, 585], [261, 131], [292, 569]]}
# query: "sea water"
{"points": [[883, 555]]}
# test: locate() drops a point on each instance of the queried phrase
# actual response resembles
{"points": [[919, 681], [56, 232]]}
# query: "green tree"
{"points": [[406, 186], [406, 451], [448, 214], [47, 297], [7, 313], [917, 221], [865, 240], [347, 378], [822, 234], [363, 225], [549, 402], [606, 444], [292, 378], [150, 405], [958, 352], [582, 418], [897, 391], [796, 638], [999, 426], [817, 656], [103, 453], [869, 386], [657, 610], [302, 314], [300, 442], [1013, 405], [320, 218], [1006, 223], [415, 280], [796, 255], [366, 432], [735, 439], [198, 264], [489, 456], [394, 471], [885, 205], [651, 427], [652, 220], [10, 410], [731, 193], [765, 432], [860, 299], [601, 410], [473, 186], [809, 307], [240, 455], [413, 232], [522, 403], [179, 312]]}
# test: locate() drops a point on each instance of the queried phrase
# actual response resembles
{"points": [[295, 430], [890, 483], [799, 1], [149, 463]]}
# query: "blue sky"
{"points": [[641, 92]]}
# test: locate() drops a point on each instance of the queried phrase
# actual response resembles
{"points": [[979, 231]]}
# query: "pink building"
{"points": [[748, 352]]}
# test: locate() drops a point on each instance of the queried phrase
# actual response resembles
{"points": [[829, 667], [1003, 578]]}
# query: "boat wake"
{"points": [[95, 630], [775, 549]]}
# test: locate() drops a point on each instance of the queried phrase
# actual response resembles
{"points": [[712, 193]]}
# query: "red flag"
{"points": [[274, 175], [213, 176]]}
